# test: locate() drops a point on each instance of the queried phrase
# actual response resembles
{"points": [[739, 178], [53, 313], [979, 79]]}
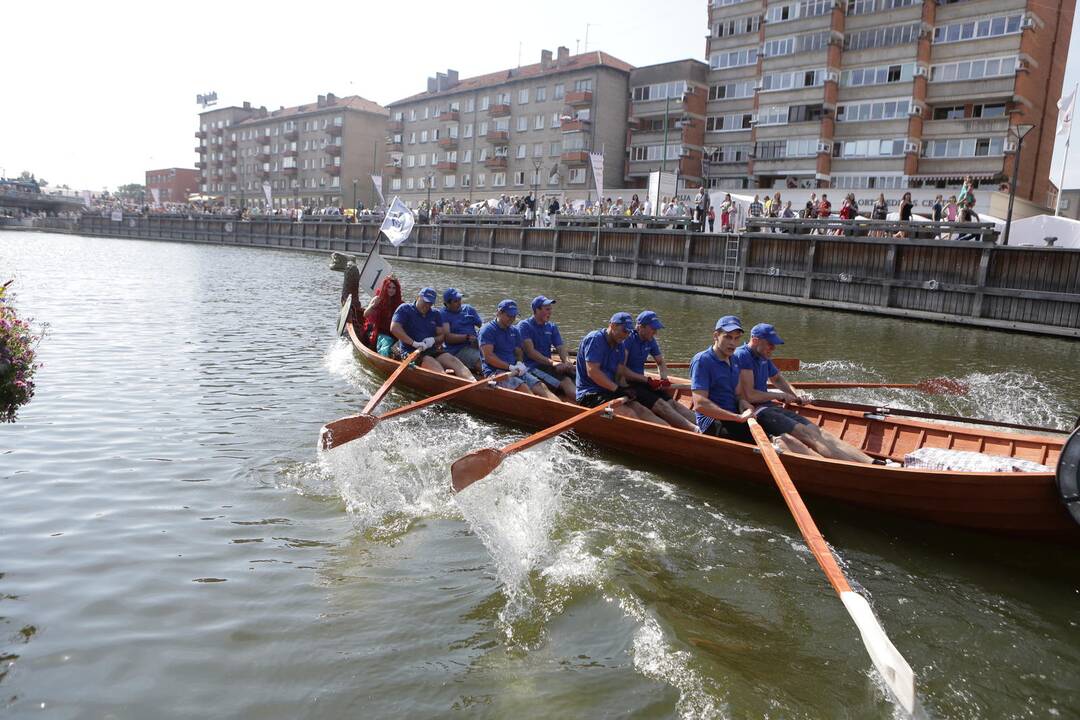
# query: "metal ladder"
{"points": [[731, 265]]}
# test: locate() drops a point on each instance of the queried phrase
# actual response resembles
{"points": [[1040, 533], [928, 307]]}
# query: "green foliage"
{"points": [[18, 345]]}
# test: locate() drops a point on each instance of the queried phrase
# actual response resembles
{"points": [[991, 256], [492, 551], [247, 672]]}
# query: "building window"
{"points": [[871, 148], [538, 150], [805, 113], [583, 85], [466, 181], [775, 115], [395, 183], [541, 94], [865, 7], [978, 29], [449, 181], [739, 153], [792, 80], [466, 156], [410, 161], [560, 91], [467, 130], [795, 44], [964, 147], [480, 180], [409, 184], [973, 69], [576, 176], [523, 96], [519, 177], [732, 90], [661, 91], [498, 179], [882, 36], [485, 102], [876, 110], [538, 124], [729, 123], [879, 75], [522, 151], [734, 58], [502, 98], [555, 149], [737, 26], [522, 123], [423, 136], [791, 11]]}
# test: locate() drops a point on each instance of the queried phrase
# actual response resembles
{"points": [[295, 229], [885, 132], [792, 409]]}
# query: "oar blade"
{"points": [[343, 316], [944, 386], [886, 658], [346, 429], [474, 466]]}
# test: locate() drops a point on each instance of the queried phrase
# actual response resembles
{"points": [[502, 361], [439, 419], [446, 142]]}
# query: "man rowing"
{"points": [[418, 326], [601, 359], [500, 348], [650, 392], [714, 383], [796, 433], [539, 336], [460, 323]]}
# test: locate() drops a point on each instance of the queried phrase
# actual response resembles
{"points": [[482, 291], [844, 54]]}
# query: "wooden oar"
{"points": [[886, 658], [381, 392], [878, 410], [347, 429], [934, 386], [479, 463]]}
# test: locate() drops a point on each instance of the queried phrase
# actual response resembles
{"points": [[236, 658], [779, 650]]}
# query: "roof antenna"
{"points": [[587, 26], [577, 46], [519, 53]]}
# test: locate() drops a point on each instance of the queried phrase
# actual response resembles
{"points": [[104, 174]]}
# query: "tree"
{"points": [[131, 191]]}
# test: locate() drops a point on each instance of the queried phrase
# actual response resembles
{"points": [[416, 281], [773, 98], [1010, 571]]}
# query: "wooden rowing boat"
{"points": [[1013, 503]]}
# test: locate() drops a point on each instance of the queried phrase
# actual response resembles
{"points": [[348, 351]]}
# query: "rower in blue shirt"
{"points": [[651, 392], [539, 337], [796, 433], [500, 347], [418, 325], [601, 358], [714, 382], [460, 323]]}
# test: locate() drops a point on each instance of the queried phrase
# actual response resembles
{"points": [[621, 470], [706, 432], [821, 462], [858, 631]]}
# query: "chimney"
{"points": [[545, 59], [331, 98], [431, 85], [452, 78], [321, 102], [564, 55], [247, 105], [440, 81]]}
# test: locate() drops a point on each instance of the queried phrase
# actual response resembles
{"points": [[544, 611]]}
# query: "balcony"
{"points": [[231, 177], [201, 134], [290, 170], [574, 125], [292, 135], [395, 126], [263, 174], [576, 157], [335, 130], [230, 144], [333, 169], [392, 144], [499, 137], [263, 156], [291, 153], [500, 110], [448, 143], [965, 127], [450, 116], [333, 150], [217, 131], [581, 97], [201, 149], [200, 165], [392, 170], [215, 176], [496, 163], [447, 167]]}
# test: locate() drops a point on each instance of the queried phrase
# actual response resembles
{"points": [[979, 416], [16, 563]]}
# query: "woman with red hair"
{"points": [[378, 315]]}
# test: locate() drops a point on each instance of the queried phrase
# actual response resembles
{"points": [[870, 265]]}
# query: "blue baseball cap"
{"points": [[509, 307], [540, 301], [648, 317], [766, 332], [623, 318], [729, 323], [428, 295], [451, 294]]}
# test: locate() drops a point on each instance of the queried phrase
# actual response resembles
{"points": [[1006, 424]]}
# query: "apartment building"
{"points": [[511, 131], [667, 122], [320, 154], [173, 185], [883, 94]]}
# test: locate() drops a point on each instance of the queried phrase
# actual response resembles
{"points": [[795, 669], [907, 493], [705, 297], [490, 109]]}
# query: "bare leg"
{"points": [[672, 416], [430, 363], [828, 445], [450, 362], [624, 411], [542, 390], [644, 413], [682, 409], [792, 445], [569, 390]]}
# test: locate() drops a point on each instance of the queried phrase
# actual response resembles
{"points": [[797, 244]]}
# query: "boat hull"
{"points": [[1019, 504]]}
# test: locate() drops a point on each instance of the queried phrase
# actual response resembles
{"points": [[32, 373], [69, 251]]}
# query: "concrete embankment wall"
{"points": [[1008, 288]]}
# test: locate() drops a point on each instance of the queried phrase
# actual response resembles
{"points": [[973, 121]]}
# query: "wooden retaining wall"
{"points": [[1026, 289]]}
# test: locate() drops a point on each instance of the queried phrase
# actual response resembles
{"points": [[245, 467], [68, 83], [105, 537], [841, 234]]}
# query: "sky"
{"points": [[109, 87]]}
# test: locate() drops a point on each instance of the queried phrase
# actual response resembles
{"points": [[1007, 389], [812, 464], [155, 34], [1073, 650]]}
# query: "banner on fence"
{"points": [[117, 216], [268, 194], [597, 160], [377, 179], [156, 193]]}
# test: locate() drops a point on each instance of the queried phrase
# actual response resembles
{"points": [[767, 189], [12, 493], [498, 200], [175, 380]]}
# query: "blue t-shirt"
{"points": [[463, 322], [594, 347], [763, 367], [719, 378], [544, 338], [414, 324], [638, 351], [503, 341]]}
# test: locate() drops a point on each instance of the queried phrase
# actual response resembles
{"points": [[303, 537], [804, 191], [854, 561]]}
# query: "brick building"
{"points": [[173, 184], [512, 130], [319, 154], [883, 94]]}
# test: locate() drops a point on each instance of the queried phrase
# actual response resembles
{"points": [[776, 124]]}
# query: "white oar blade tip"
{"points": [[886, 658]]}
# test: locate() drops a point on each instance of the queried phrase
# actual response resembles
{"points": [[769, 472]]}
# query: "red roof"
{"points": [[574, 62]]}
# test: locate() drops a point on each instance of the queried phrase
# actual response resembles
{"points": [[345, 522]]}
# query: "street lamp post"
{"points": [[355, 182], [430, 179], [1019, 131]]}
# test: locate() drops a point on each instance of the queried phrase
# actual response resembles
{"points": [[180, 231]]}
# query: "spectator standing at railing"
{"points": [[824, 208], [727, 206], [756, 208], [952, 209], [712, 219], [810, 211], [788, 212], [938, 208], [906, 206], [880, 211]]}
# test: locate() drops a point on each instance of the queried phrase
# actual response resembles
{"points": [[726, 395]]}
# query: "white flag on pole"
{"points": [[157, 195], [268, 193], [375, 270], [1066, 110], [377, 179], [597, 160], [398, 223]]}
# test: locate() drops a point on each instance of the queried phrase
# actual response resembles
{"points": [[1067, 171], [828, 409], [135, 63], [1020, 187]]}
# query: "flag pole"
{"points": [[1061, 185], [1066, 125]]}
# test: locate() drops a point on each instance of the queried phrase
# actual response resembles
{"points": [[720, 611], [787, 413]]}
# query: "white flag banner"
{"points": [[374, 271], [398, 223], [268, 194], [597, 160], [377, 179], [157, 195], [1066, 110], [87, 198]]}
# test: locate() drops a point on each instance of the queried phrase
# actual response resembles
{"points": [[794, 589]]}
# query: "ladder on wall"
{"points": [[731, 265]]}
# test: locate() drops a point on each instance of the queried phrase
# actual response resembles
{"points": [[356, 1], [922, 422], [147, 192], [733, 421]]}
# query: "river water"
{"points": [[175, 546]]}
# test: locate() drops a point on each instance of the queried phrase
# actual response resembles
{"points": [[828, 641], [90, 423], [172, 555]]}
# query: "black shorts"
{"points": [[738, 431], [645, 394], [595, 399], [402, 352], [776, 420]]}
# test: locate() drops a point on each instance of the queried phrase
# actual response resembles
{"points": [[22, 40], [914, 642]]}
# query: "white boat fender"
{"points": [[1068, 475]]}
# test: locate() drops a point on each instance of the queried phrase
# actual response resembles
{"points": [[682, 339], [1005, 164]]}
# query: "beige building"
{"points": [[883, 94], [321, 154], [510, 131]]}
